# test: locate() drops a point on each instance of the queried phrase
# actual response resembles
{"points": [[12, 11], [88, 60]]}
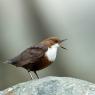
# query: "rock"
{"points": [[52, 86]]}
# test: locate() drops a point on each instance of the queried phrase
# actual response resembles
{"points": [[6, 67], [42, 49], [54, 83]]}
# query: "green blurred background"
{"points": [[26, 22]]}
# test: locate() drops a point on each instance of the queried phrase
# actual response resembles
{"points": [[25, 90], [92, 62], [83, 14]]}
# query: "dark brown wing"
{"points": [[30, 55]]}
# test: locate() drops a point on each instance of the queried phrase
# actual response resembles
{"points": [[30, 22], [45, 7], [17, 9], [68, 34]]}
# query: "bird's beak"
{"points": [[61, 45]]}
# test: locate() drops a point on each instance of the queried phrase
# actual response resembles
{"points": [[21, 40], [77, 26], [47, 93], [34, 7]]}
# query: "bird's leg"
{"points": [[30, 75], [36, 74]]}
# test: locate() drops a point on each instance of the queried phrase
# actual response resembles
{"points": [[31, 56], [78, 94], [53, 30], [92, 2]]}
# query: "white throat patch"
{"points": [[52, 52]]}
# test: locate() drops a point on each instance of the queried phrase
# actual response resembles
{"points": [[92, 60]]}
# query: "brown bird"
{"points": [[38, 56]]}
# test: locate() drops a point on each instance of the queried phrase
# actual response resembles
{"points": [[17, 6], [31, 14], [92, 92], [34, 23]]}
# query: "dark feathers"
{"points": [[30, 55]]}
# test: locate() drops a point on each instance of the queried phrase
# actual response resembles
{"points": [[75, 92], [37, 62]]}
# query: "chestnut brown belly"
{"points": [[41, 64]]}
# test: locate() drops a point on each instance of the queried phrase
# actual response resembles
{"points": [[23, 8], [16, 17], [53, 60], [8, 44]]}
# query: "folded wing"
{"points": [[30, 55]]}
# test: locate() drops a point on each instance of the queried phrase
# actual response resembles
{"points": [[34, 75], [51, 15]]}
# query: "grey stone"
{"points": [[52, 86]]}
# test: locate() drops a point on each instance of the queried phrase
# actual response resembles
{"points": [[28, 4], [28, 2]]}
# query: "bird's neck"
{"points": [[52, 52]]}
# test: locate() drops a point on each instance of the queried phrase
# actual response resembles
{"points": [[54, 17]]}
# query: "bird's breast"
{"points": [[51, 54]]}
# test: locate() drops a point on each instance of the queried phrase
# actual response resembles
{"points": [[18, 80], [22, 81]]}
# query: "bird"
{"points": [[38, 56]]}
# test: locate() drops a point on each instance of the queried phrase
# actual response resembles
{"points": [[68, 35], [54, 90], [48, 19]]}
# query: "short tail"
{"points": [[7, 62]]}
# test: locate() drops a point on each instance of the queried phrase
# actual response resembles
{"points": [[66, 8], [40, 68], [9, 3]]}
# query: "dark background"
{"points": [[26, 22]]}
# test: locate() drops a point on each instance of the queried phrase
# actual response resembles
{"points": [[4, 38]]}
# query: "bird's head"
{"points": [[54, 41]]}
